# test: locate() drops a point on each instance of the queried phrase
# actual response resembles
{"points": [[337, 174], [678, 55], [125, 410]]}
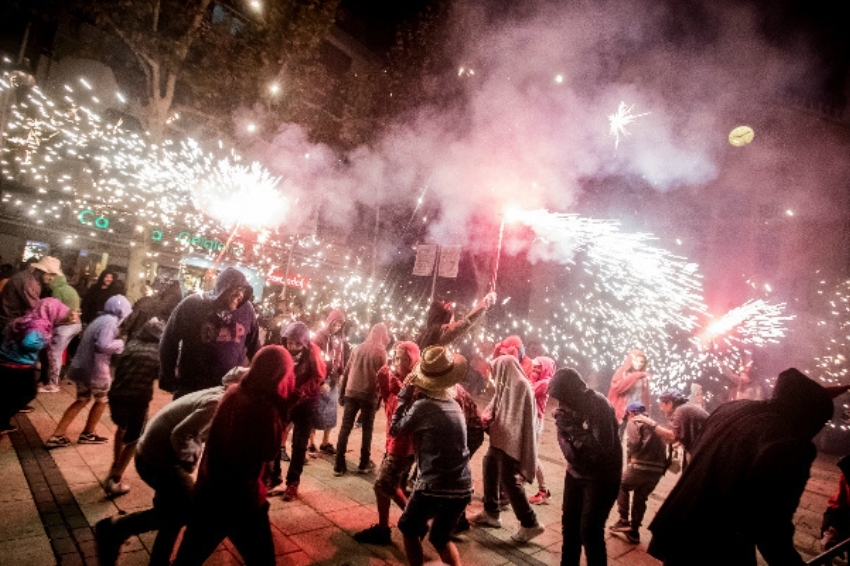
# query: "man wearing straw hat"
{"points": [[437, 426]]}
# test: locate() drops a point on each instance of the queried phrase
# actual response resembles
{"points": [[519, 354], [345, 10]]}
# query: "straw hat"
{"points": [[49, 265], [438, 370]]}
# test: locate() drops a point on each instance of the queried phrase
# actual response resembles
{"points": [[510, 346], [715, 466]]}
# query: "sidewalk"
{"points": [[50, 500]]}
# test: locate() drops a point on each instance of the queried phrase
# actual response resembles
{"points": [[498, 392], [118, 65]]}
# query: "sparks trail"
{"points": [[620, 119]]}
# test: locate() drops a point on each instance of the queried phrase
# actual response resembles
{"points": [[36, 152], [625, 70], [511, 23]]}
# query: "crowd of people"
{"points": [[215, 453]]}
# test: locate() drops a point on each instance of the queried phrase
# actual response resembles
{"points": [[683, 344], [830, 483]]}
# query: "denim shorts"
{"points": [[422, 507]]}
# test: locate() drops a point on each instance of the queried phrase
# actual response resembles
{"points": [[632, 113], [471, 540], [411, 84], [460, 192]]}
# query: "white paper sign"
{"points": [[449, 261], [426, 257]]}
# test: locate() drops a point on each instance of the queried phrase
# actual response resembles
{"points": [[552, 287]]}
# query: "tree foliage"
{"points": [[209, 55]]}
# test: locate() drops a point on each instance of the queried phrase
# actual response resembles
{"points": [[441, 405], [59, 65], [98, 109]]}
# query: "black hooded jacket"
{"points": [[203, 342], [742, 487], [95, 297], [138, 367]]}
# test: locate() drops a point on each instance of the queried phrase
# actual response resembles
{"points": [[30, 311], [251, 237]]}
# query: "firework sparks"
{"points": [[620, 119], [755, 323]]}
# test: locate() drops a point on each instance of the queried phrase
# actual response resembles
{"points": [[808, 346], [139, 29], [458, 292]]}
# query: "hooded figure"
{"points": [[511, 420], [587, 435], [230, 497], [209, 335], [744, 482], [100, 340], [630, 383], [23, 339], [97, 295], [359, 393], [335, 352]]}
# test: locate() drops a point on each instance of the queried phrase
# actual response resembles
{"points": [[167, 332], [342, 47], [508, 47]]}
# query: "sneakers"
{"points": [[339, 473], [633, 537], [27, 409], [376, 534], [291, 493], [57, 442], [525, 534], [108, 547], [485, 519], [91, 438], [312, 452], [49, 388], [327, 449], [542, 497], [115, 488], [284, 457], [620, 526], [368, 468]]}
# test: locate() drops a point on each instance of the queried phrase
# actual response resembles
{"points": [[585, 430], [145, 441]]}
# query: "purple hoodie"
{"points": [[99, 342]]}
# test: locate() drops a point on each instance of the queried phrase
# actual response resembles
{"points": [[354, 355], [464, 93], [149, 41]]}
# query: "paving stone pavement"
{"points": [[50, 500]]}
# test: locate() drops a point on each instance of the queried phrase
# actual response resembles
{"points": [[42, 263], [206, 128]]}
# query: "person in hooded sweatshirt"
{"points": [[359, 393], [230, 497], [23, 339], [630, 384], [166, 457], [749, 469], [129, 398], [588, 438], [335, 352], [90, 371], [97, 295], [62, 334], [441, 328], [511, 420], [160, 306], [208, 335], [309, 375]]}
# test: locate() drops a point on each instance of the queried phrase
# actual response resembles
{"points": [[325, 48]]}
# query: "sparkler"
{"points": [[620, 119], [498, 255]]}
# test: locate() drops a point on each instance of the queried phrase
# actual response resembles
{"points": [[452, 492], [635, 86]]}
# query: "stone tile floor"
{"points": [[50, 500]]}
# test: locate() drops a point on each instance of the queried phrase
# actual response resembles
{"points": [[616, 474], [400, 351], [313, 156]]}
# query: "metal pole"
{"points": [[434, 278]]}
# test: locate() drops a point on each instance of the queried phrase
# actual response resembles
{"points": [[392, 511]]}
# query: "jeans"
{"points": [[586, 507], [171, 504], [351, 408], [17, 388], [642, 482], [501, 469], [302, 415], [62, 336]]}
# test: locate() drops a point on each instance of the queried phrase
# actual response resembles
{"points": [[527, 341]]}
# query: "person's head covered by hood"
{"points": [[542, 368], [168, 298], [46, 315], [806, 404], [335, 321], [297, 336], [231, 290], [636, 408], [512, 346], [151, 331], [118, 306], [379, 334], [405, 357], [635, 360], [438, 371], [271, 374], [569, 389]]}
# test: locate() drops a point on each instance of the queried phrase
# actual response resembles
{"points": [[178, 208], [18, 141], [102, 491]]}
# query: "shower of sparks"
{"points": [[238, 194], [755, 323], [620, 119]]}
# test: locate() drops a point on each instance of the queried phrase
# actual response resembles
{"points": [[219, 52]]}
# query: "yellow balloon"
{"points": [[741, 136]]}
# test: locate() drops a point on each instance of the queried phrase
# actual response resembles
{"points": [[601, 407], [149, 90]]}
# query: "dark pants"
{"points": [[351, 408], [171, 504], [17, 389], [587, 504], [641, 482], [302, 416], [213, 521], [501, 469]]}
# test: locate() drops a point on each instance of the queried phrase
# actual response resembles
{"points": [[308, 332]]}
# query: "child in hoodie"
{"points": [[129, 398], [90, 371]]}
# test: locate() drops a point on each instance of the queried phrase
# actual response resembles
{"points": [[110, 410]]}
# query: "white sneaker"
{"points": [[50, 388], [525, 534], [485, 519], [115, 488]]}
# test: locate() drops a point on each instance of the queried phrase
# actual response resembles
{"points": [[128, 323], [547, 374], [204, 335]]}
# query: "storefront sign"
{"points": [[294, 281], [89, 218]]}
